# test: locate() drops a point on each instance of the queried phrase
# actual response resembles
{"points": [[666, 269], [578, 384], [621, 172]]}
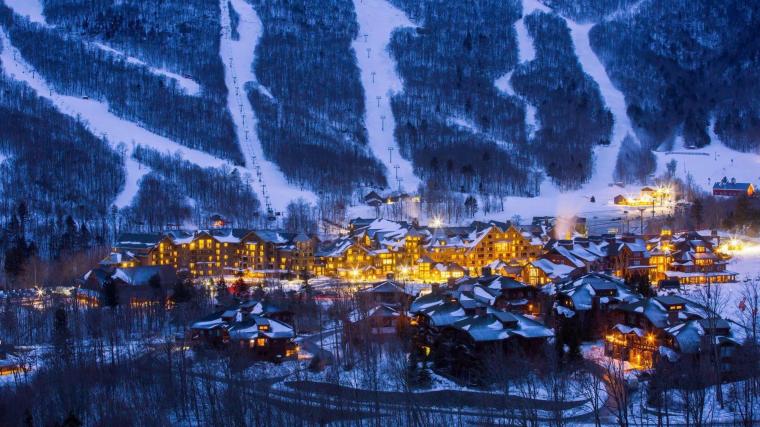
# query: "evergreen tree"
{"points": [[183, 291], [61, 335], [110, 293], [697, 212]]}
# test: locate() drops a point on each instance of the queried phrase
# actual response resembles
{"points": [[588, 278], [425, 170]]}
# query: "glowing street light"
{"points": [[436, 222]]}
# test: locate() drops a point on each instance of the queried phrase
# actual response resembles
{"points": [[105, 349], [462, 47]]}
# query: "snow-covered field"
{"points": [[377, 20], [710, 164], [238, 57]]}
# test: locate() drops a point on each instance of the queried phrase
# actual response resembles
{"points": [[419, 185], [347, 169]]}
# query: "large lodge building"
{"points": [[374, 249]]}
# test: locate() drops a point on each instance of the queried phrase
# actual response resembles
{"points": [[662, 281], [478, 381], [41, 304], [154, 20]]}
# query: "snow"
{"points": [[377, 19], [238, 58], [31, 9], [120, 133], [188, 85], [710, 164], [747, 266]]}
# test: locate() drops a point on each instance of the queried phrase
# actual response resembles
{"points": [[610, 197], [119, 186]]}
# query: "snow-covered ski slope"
{"points": [[120, 133], [551, 200], [34, 11], [238, 58], [377, 20], [188, 85], [709, 164], [704, 165]]}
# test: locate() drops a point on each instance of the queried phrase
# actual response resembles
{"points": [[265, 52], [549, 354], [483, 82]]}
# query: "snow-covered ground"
{"points": [[710, 164], [120, 133], [31, 9], [188, 85], [552, 201], [238, 58], [377, 20]]}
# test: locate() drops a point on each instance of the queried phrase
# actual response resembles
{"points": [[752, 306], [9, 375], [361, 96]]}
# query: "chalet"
{"points": [[643, 331], [373, 199], [732, 188], [628, 256], [239, 328], [689, 258], [387, 293], [512, 295], [138, 245], [379, 322], [543, 271], [460, 329], [589, 300], [135, 285]]}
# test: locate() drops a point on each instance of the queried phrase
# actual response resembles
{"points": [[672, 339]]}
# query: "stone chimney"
{"points": [[485, 271]]}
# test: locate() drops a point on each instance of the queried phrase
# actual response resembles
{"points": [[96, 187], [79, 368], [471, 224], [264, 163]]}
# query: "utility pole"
{"points": [[382, 123], [378, 100], [396, 167], [390, 154], [373, 76]]}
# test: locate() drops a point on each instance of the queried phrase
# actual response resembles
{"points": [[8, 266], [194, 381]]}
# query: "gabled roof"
{"points": [[386, 286], [583, 290], [138, 240]]}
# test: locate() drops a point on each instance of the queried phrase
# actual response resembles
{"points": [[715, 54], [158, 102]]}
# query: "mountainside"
{"points": [[121, 109]]}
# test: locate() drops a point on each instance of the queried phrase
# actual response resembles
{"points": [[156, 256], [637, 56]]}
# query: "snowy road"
{"points": [[377, 20], [238, 57]]}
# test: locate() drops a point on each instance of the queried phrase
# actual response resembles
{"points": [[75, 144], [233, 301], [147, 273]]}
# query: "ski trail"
{"points": [[526, 52], [238, 59], [121, 133], [613, 98], [188, 85], [377, 19], [33, 10]]}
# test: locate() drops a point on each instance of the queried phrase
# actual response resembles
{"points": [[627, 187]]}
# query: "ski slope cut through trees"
{"points": [[188, 85], [377, 20], [120, 133], [238, 56]]}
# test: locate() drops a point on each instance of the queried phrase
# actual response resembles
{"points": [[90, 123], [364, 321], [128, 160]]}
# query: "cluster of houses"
{"points": [[463, 325], [372, 249], [258, 330], [641, 330]]}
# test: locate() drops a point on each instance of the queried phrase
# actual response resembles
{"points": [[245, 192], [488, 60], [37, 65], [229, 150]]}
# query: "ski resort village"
{"points": [[366, 213]]}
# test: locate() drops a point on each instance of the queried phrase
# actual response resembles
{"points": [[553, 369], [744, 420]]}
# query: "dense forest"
{"points": [[75, 67], [634, 162], [452, 122], [313, 126], [174, 181], [146, 29], [683, 64], [55, 171], [571, 111], [589, 10]]}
